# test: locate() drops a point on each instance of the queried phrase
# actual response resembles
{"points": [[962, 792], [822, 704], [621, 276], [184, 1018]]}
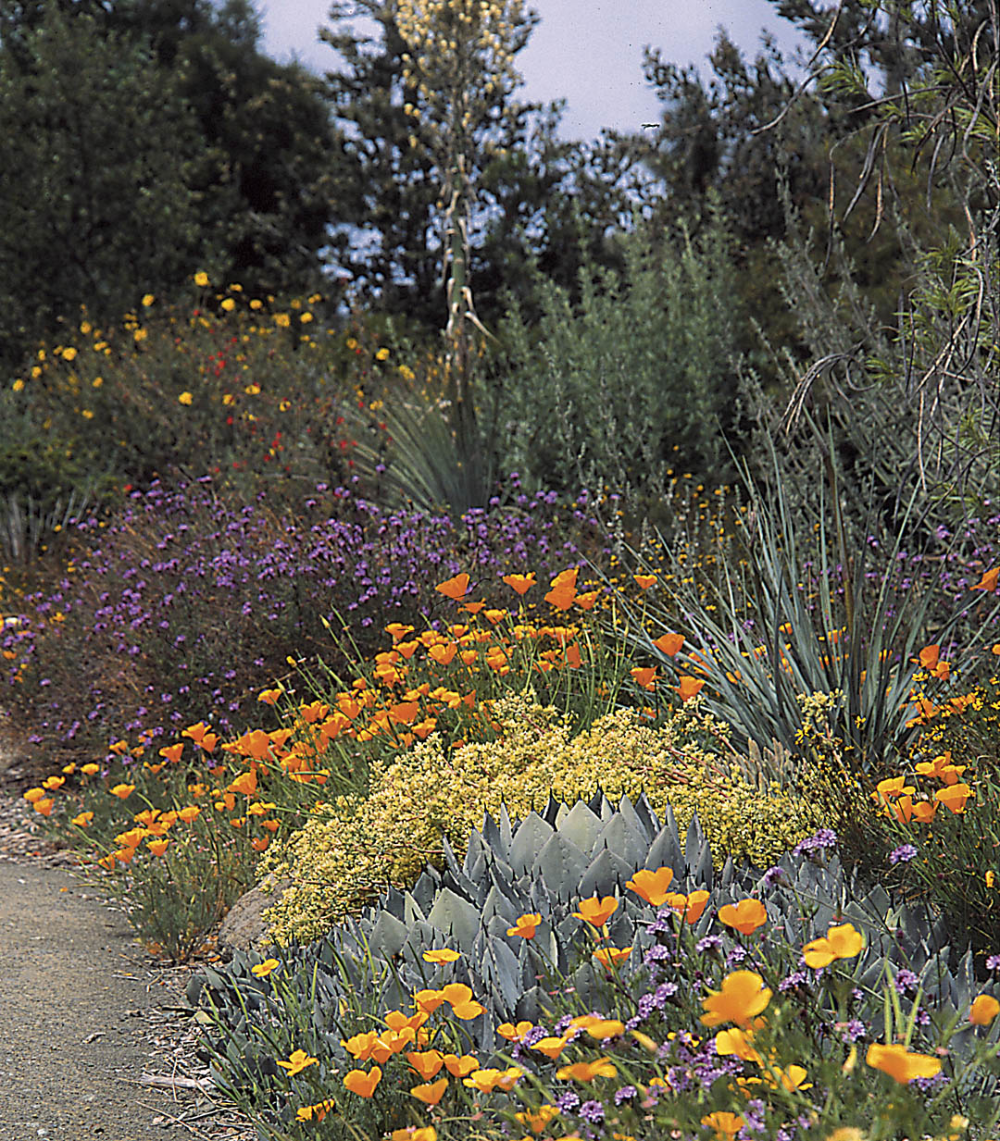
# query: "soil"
{"points": [[96, 1037]]}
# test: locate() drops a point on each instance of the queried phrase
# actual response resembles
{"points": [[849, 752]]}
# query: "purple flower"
{"points": [[625, 1093], [567, 1102], [993, 962], [592, 1111], [824, 838], [905, 980], [903, 854], [709, 943], [854, 1030], [772, 875]]}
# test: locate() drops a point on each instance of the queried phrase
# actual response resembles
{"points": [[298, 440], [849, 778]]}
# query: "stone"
{"points": [[244, 927]]}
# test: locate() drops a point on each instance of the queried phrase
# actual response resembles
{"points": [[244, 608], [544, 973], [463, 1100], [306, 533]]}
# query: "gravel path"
{"points": [[93, 1038]]}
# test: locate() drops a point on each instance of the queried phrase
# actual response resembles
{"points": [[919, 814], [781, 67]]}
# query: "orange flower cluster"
{"points": [[895, 796]]}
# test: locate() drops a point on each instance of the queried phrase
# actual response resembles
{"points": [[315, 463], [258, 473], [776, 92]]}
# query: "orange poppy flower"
{"points": [[840, 942], [725, 1124], [520, 583], [899, 1063], [460, 1067], [689, 687], [596, 911], [44, 806], [443, 654], [444, 955], [454, 588], [551, 1047], [357, 1081], [988, 581], [610, 957], [743, 996], [430, 1093], [245, 783], [929, 656], [983, 1010], [652, 886], [526, 925], [644, 676], [123, 791], [486, 1081], [645, 581], [669, 644], [157, 847], [954, 796], [586, 600], [514, 1033], [689, 907], [745, 916], [587, 1071]]}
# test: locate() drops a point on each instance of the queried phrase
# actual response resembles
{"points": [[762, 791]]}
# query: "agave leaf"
{"points": [[701, 872], [501, 973], [413, 912], [491, 834], [665, 852], [498, 904], [694, 842], [388, 935], [456, 917], [531, 835], [581, 826], [560, 865], [606, 875], [620, 835]]}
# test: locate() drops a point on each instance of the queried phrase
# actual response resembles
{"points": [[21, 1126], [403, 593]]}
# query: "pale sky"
{"points": [[587, 51]]}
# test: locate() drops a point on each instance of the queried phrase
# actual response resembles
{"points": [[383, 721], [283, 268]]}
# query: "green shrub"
{"points": [[360, 847], [633, 381]]}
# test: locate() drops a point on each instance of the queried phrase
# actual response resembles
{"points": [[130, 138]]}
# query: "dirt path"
{"points": [[87, 1019]]}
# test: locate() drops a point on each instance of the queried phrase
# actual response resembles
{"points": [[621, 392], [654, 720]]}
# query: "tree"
{"points": [[95, 206]]}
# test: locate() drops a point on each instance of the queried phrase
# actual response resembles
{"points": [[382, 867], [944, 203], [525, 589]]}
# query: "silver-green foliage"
{"points": [[545, 864], [601, 391]]}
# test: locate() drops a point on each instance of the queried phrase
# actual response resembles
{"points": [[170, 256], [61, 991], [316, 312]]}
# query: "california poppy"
{"points": [[454, 588], [652, 886], [520, 583], [743, 996], [669, 644], [596, 911], [899, 1063], [745, 916], [357, 1081], [989, 580]]}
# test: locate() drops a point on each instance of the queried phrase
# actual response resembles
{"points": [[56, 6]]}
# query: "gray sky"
{"points": [[588, 51]]}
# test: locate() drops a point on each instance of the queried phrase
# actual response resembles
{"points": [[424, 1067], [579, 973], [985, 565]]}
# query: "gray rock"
{"points": [[244, 926]]}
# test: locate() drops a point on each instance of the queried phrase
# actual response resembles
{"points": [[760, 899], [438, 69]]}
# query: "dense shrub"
{"points": [[632, 382], [342, 860]]}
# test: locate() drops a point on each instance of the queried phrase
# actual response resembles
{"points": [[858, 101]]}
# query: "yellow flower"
{"points": [[18, 385], [382, 355], [282, 320], [185, 398], [256, 304], [69, 354], [742, 998], [846, 1133], [725, 1124], [148, 300], [97, 381], [297, 1062], [984, 1009], [841, 942], [441, 956], [229, 305], [201, 279], [899, 1063]]}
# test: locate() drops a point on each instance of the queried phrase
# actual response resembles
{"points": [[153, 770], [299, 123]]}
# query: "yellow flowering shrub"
{"points": [[354, 849]]}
